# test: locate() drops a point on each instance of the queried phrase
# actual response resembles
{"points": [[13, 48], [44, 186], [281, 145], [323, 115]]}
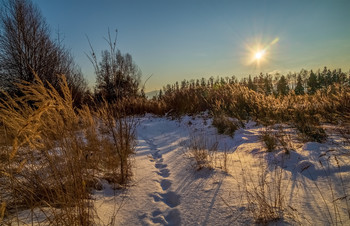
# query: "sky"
{"points": [[177, 40]]}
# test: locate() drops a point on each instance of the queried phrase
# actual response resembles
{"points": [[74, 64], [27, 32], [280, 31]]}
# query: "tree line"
{"points": [[304, 82]]}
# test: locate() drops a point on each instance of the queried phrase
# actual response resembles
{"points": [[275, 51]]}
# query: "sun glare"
{"points": [[259, 54]]}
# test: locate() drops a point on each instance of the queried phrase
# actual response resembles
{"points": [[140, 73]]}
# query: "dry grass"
{"points": [[334, 192], [305, 112], [269, 139], [45, 165], [204, 152], [224, 125], [121, 129], [344, 128], [55, 153], [265, 193], [309, 127], [265, 183], [277, 139], [267, 190]]}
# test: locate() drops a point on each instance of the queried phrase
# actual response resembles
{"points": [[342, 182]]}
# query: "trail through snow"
{"points": [[167, 190], [171, 215]]}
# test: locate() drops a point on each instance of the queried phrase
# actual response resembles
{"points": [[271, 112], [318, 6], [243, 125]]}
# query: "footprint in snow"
{"points": [[156, 155], [165, 184], [164, 173], [170, 198], [160, 165], [172, 217]]}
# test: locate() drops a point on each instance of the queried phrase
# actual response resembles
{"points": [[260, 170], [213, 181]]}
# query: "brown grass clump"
{"points": [[224, 125], [309, 127], [55, 153], [121, 129], [265, 193], [202, 151], [205, 154], [269, 139]]}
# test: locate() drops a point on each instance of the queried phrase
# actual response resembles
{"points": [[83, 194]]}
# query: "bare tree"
{"points": [[26, 47], [117, 76]]}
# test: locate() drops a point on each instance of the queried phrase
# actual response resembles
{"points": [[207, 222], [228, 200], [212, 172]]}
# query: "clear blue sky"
{"points": [[176, 40]]}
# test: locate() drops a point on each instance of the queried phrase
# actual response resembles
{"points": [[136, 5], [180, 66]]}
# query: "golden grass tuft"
{"points": [[56, 152]]}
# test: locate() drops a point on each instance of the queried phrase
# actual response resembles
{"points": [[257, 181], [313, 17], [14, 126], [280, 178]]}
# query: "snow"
{"points": [[312, 181], [167, 190]]}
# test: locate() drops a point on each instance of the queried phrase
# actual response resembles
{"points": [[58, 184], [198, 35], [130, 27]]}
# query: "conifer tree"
{"points": [[328, 78], [299, 89], [282, 86], [203, 82], [321, 80], [251, 85], [160, 95], [268, 85], [312, 83]]}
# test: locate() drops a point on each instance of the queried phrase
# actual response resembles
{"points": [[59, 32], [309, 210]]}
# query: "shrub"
{"points": [[269, 140], [224, 125], [309, 127]]}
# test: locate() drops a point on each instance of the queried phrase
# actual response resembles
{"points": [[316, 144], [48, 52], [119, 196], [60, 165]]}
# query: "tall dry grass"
{"points": [[44, 168], [54, 154], [265, 192], [120, 129], [304, 112], [204, 153]]}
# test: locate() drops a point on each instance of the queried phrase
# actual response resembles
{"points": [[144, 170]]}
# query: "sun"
{"points": [[259, 54]]}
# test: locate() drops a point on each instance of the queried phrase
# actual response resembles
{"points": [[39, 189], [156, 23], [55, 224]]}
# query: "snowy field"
{"points": [[302, 183]]}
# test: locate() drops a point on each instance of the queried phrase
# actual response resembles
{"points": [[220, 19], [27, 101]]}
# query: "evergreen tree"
{"points": [[211, 81], [233, 80], [251, 85], [282, 86], [243, 82], [299, 89], [260, 83], [203, 83], [312, 83], [268, 85], [328, 78], [183, 84], [197, 82], [335, 77], [160, 95], [321, 80], [342, 77]]}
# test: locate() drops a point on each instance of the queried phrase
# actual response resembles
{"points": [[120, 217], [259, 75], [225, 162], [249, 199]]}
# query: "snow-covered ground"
{"points": [[311, 182]]}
